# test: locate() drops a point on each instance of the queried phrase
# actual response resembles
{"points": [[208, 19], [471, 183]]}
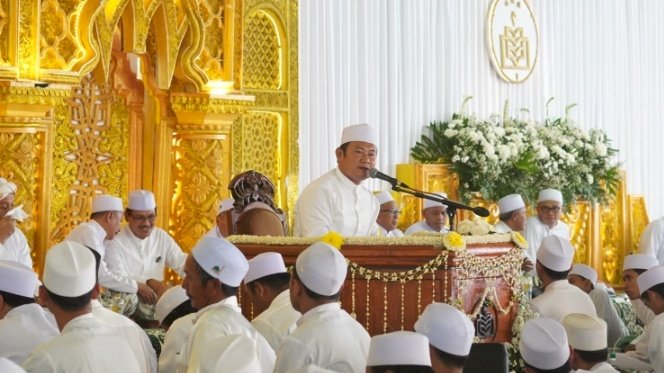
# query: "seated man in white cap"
{"points": [[547, 222], [560, 298], [450, 334], [337, 201], [388, 216], [13, 244], [144, 251], [652, 240], [176, 316], [24, 324], [585, 278], [544, 346], [651, 285], [213, 273], [435, 217], [586, 336], [266, 284], [221, 228], [85, 343], [399, 352], [103, 225], [512, 217], [633, 266], [326, 335]]}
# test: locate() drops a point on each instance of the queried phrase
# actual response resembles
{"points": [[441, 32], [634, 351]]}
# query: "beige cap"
{"points": [[584, 271], [384, 197], [556, 253], [230, 353], [639, 261], [172, 298], [585, 332], [648, 279], [264, 264], [15, 278], [550, 195], [544, 344], [106, 203], [225, 205], [221, 260], [141, 200], [69, 270], [321, 268], [510, 203], [359, 132], [6, 188], [429, 203], [399, 348], [447, 328]]}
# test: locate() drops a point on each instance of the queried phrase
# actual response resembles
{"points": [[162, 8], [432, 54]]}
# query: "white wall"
{"points": [[401, 64]]}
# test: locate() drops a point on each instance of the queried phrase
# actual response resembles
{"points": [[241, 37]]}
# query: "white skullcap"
{"points": [[510, 203], [17, 213], [550, 195], [384, 197], [264, 264], [141, 200], [221, 260], [106, 203], [556, 253], [225, 205], [230, 353], [653, 276], [399, 348], [171, 298], [447, 328], [584, 271], [544, 344], [15, 278], [69, 270], [321, 268], [585, 332], [6, 188], [429, 203], [8, 366], [639, 261], [359, 132]]}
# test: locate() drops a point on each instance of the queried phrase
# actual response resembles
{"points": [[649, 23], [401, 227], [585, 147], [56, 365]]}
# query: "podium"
{"points": [[391, 280]]}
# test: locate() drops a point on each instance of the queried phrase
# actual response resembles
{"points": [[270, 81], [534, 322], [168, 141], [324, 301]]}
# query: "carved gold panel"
{"points": [[638, 221], [262, 50], [579, 220]]}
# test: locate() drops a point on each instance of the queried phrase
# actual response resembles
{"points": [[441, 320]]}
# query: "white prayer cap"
{"points": [[585, 332], [359, 132], [399, 348], [321, 268], [312, 369], [15, 278], [384, 197], [106, 203], [8, 366], [141, 200], [653, 276], [544, 344], [429, 203], [225, 205], [550, 195], [584, 271], [6, 188], [556, 253], [230, 353], [264, 264], [447, 328], [69, 270], [510, 203], [221, 260], [639, 261], [171, 298]]}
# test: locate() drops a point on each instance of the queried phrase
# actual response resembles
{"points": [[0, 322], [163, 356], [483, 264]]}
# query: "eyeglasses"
{"points": [[547, 209], [143, 218], [393, 212]]}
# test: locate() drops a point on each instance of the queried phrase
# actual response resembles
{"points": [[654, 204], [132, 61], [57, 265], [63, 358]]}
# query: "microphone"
{"points": [[375, 174], [480, 211]]}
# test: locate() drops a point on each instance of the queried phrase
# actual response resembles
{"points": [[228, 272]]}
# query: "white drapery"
{"points": [[399, 64]]}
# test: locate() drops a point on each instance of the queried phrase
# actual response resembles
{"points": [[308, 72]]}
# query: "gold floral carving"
{"points": [[5, 41], [212, 57], [262, 62], [639, 220]]}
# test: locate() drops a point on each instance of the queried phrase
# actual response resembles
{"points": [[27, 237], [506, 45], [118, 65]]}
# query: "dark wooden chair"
{"points": [[254, 211]]}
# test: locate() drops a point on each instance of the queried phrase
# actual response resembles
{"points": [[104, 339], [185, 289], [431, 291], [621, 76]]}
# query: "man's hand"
{"points": [[7, 228], [146, 294], [159, 287], [527, 265]]}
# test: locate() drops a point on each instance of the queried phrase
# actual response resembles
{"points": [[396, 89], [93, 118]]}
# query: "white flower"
{"points": [[504, 152], [450, 132], [542, 152], [589, 178], [600, 149], [456, 158]]}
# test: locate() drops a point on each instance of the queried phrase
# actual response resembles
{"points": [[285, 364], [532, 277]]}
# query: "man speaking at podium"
{"points": [[337, 201]]}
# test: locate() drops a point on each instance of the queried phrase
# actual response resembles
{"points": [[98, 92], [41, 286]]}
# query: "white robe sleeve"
{"points": [[313, 213], [292, 355], [656, 346]]}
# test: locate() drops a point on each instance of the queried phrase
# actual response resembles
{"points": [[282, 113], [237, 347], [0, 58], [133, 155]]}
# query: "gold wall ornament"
{"points": [[512, 39]]}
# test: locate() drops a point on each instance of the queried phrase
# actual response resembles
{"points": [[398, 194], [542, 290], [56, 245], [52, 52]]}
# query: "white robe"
{"points": [[334, 203], [175, 340], [393, 233], [536, 231], [278, 321], [606, 311], [23, 328], [214, 232], [560, 298], [501, 227], [656, 343], [601, 368], [652, 240], [16, 249], [422, 226]]}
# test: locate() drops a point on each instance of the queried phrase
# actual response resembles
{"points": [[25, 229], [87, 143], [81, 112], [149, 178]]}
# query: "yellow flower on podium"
{"points": [[519, 240], [333, 238], [453, 241]]}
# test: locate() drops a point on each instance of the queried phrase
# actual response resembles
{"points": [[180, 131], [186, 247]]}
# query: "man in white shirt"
{"points": [[651, 285], [337, 201], [513, 219], [221, 228], [435, 217], [388, 215], [144, 251], [544, 346], [652, 240], [547, 222], [13, 244], [24, 324], [326, 335], [266, 284], [585, 278], [176, 316], [587, 338], [85, 344], [213, 273], [560, 298]]}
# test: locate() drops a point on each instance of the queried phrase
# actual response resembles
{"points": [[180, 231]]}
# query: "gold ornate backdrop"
{"points": [[173, 96]]}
